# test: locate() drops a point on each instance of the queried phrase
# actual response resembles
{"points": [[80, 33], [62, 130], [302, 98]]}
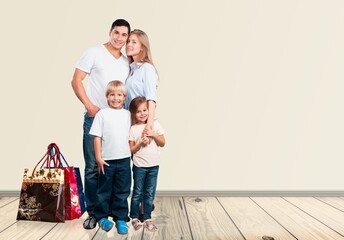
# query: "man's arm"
{"points": [[80, 92]]}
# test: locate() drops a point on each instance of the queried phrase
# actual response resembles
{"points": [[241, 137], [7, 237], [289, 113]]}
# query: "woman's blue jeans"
{"points": [[145, 182]]}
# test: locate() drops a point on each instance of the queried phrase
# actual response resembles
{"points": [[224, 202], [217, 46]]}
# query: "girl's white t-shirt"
{"points": [[148, 156]]}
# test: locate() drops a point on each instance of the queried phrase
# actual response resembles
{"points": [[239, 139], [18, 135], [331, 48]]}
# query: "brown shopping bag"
{"points": [[42, 194], [74, 207]]}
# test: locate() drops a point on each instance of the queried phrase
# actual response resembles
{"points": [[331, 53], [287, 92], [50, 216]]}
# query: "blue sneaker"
{"points": [[122, 227], [105, 224]]}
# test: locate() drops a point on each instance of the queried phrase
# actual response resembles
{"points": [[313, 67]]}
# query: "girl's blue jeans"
{"points": [[145, 182]]}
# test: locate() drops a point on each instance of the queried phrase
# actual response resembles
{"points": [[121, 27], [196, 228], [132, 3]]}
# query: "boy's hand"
{"points": [[101, 163]]}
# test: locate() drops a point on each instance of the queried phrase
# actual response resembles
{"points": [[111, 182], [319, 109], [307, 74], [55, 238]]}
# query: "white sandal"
{"points": [[137, 224], [150, 226]]}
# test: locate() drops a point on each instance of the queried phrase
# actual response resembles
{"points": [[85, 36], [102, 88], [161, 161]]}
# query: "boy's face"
{"points": [[118, 36], [116, 99]]}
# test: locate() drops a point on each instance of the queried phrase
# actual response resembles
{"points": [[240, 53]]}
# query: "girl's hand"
{"points": [[145, 141], [101, 163]]}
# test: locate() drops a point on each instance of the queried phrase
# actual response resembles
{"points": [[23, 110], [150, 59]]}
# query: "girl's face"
{"points": [[141, 114], [116, 99], [134, 46]]}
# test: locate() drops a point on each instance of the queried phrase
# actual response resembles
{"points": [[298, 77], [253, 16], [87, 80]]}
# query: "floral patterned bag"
{"points": [[42, 194]]}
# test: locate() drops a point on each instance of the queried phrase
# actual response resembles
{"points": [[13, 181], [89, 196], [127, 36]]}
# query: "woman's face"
{"points": [[134, 46]]}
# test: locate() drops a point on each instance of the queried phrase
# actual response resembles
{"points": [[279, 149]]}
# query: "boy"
{"points": [[110, 129]]}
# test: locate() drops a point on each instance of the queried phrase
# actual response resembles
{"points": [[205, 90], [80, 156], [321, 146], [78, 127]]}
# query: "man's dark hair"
{"points": [[120, 22]]}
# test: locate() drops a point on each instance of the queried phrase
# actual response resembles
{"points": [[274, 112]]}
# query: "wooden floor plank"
{"points": [[6, 200], [300, 224], [252, 221], [170, 217], [27, 230], [328, 215], [208, 220], [71, 229], [333, 201], [8, 214]]}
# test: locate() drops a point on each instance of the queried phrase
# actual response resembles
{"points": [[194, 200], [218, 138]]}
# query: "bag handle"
{"points": [[46, 158], [54, 155]]}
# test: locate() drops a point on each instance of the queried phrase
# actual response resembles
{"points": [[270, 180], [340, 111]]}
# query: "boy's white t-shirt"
{"points": [[148, 156], [113, 126], [102, 67]]}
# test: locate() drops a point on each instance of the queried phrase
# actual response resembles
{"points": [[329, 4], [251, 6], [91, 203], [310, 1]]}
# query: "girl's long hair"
{"points": [[134, 105]]}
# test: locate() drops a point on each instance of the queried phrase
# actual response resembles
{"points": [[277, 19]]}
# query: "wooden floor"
{"points": [[207, 218]]}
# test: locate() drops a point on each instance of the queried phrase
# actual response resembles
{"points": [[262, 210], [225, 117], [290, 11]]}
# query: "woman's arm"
{"points": [[151, 114]]}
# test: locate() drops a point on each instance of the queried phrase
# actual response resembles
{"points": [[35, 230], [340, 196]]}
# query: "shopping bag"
{"points": [[42, 194], [74, 208], [80, 189]]}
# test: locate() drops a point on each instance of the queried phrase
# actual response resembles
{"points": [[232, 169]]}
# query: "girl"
{"points": [[146, 158]]}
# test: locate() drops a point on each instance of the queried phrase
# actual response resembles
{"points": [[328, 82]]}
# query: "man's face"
{"points": [[118, 36]]}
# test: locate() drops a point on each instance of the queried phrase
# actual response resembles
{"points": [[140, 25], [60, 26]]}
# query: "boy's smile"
{"points": [[116, 99]]}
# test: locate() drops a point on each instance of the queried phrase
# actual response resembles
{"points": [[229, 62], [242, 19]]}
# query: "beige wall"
{"points": [[251, 92]]}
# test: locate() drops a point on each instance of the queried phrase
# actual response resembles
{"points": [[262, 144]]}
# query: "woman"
{"points": [[143, 77]]}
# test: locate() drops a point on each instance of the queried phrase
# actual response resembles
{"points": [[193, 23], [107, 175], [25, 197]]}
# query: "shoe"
{"points": [[150, 226], [105, 224], [122, 227], [90, 222], [137, 224], [142, 215]]}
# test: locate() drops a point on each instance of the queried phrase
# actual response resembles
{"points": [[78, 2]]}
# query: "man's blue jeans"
{"points": [[113, 190], [91, 168], [145, 182]]}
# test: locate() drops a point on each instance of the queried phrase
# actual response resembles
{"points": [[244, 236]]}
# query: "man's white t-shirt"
{"points": [[148, 156], [102, 67], [113, 126]]}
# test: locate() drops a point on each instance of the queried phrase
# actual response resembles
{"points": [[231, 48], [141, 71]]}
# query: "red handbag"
{"points": [[73, 205]]}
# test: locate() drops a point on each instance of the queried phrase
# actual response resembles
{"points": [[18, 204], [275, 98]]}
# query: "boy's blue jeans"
{"points": [[145, 182], [113, 190], [91, 168]]}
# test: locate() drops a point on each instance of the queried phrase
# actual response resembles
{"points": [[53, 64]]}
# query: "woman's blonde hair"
{"points": [[145, 56]]}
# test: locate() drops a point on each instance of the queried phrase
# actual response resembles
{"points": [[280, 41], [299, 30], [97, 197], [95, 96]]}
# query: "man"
{"points": [[102, 64]]}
